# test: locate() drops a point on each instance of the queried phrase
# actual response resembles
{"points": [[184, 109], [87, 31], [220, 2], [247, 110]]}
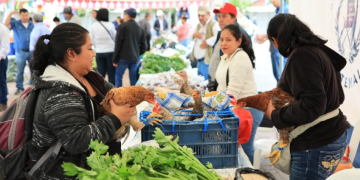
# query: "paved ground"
{"points": [[264, 80]]}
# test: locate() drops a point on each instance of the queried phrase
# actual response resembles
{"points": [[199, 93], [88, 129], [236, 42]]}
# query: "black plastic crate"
{"points": [[214, 141]]}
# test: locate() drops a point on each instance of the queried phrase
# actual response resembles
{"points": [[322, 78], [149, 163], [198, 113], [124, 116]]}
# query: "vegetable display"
{"points": [[160, 40], [171, 162], [153, 63]]}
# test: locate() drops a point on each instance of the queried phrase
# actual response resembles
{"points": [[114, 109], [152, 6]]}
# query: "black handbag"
{"points": [[213, 84]]}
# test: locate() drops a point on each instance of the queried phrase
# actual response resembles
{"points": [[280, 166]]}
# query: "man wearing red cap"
{"points": [[226, 15]]}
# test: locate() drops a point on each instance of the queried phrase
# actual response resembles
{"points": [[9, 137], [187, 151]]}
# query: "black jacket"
{"points": [[130, 42], [157, 26], [65, 112], [312, 76]]}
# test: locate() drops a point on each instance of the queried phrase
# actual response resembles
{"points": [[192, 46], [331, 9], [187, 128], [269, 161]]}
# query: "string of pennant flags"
{"points": [[115, 4]]}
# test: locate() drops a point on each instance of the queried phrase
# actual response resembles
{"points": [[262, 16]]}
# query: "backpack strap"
{"points": [[52, 151], [227, 78]]}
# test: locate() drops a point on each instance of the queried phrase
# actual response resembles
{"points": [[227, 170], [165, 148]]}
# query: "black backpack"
{"points": [[16, 124]]}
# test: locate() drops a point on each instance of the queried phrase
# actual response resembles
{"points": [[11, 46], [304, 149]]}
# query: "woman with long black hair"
{"points": [[312, 76], [235, 74]]}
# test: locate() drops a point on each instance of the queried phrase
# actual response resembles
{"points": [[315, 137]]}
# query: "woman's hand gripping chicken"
{"points": [[277, 97], [132, 95]]}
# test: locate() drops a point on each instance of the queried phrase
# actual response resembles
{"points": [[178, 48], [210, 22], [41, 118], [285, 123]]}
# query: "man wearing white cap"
{"points": [[204, 37], [160, 24]]}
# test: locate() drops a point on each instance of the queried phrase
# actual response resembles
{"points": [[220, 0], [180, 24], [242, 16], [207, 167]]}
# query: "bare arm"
{"points": [[8, 19]]}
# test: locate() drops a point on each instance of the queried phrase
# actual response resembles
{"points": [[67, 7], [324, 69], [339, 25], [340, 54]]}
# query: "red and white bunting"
{"points": [[125, 6], [83, 5], [77, 4], [118, 5], [90, 5], [56, 3], [62, 3], [104, 5], [111, 5]]}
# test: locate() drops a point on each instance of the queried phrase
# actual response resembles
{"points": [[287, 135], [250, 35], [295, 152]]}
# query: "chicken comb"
{"points": [[156, 107]]}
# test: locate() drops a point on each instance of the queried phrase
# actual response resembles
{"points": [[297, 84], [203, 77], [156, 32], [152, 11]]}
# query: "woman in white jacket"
{"points": [[102, 34], [235, 75]]}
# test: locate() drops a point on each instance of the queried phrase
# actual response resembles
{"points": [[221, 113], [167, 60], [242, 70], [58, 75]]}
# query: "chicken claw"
{"points": [[154, 118], [155, 121]]}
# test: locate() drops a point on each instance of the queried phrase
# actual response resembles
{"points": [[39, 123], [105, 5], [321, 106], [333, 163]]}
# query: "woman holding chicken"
{"points": [[68, 105], [235, 75]]}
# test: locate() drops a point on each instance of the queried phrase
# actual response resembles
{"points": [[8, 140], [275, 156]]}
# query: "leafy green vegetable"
{"points": [[171, 162], [160, 40], [153, 63]]}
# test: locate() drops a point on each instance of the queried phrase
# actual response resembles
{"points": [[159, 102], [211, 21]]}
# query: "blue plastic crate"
{"points": [[214, 141]]}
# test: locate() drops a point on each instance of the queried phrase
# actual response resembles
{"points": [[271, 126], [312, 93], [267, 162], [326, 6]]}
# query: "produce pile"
{"points": [[160, 40], [153, 63], [168, 79], [171, 162]]}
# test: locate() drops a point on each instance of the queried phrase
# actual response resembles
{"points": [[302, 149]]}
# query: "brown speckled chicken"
{"points": [[260, 102], [132, 95], [198, 107], [185, 88]]}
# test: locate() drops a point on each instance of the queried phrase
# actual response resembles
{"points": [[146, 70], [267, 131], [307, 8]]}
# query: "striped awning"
{"points": [[124, 4]]}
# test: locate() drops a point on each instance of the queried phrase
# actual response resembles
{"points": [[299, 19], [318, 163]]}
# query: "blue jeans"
{"points": [[275, 61], [203, 69], [21, 57], [317, 164], [120, 69], [105, 65], [3, 86], [184, 42], [249, 146]]}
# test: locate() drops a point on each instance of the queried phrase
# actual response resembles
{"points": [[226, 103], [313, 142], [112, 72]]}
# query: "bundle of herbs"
{"points": [[153, 63], [171, 162]]}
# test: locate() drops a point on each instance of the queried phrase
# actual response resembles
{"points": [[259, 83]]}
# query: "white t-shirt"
{"points": [[161, 22], [241, 75], [26, 25], [101, 39]]}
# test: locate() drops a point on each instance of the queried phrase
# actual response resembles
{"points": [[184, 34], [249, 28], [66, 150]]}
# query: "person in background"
{"points": [[4, 49], [68, 107], [56, 20], [70, 16], [312, 76], [117, 22], [183, 31], [145, 25], [39, 30], [160, 25], [237, 64], [227, 16], [94, 13], [204, 36], [130, 43], [22, 29], [102, 34], [275, 55], [246, 23]]}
